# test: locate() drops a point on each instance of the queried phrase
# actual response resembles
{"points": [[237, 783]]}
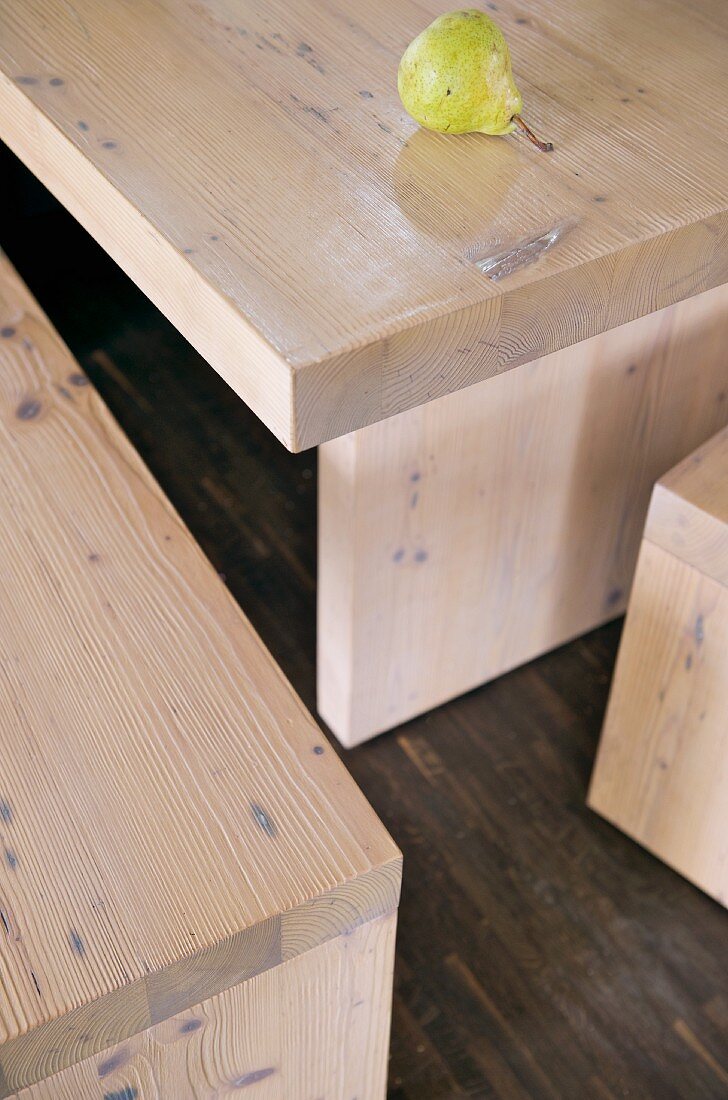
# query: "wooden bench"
{"points": [[194, 895], [662, 769]]}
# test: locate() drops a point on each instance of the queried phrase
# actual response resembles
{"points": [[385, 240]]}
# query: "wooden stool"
{"points": [[194, 895], [662, 769]]}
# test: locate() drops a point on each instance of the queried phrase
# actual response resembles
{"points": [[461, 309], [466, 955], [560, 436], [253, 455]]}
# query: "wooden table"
{"points": [[251, 168]]}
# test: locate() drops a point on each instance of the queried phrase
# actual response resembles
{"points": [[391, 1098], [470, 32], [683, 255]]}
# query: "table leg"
{"points": [[464, 537]]}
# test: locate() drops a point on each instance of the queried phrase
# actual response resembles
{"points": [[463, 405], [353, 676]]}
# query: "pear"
{"points": [[455, 77]]}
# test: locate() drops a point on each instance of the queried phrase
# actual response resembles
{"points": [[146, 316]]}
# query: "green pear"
{"points": [[455, 77]]}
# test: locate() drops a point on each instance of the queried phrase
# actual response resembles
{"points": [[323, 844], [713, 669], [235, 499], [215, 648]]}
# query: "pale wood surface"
{"points": [[317, 1026], [170, 821], [251, 167], [689, 510], [661, 773], [465, 537]]}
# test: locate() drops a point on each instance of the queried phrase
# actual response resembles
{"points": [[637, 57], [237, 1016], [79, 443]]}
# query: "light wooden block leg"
{"points": [[464, 537], [316, 1026], [662, 769], [661, 773]]}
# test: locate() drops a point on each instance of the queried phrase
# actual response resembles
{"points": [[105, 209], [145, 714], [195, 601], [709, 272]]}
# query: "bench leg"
{"points": [[661, 773], [462, 538], [317, 1025]]}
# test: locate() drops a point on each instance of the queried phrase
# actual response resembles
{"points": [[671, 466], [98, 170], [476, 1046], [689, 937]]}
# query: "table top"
{"points": [[172, 820], [250, 165]]}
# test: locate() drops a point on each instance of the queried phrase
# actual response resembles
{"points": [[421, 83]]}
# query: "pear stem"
{"points": [[544, 146]]}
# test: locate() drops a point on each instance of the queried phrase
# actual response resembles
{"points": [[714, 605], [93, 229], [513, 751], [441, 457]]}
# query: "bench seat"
{"points": [[194, 895]]}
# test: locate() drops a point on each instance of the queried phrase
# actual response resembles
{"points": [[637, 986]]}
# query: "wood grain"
{"points": [[170, 821], [252, 169], [689, 510], [315, 1026], [662, 769], [467, 536]]}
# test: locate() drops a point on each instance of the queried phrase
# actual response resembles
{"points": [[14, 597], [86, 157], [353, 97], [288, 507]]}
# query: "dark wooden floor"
{"points": [[541, 953]]}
